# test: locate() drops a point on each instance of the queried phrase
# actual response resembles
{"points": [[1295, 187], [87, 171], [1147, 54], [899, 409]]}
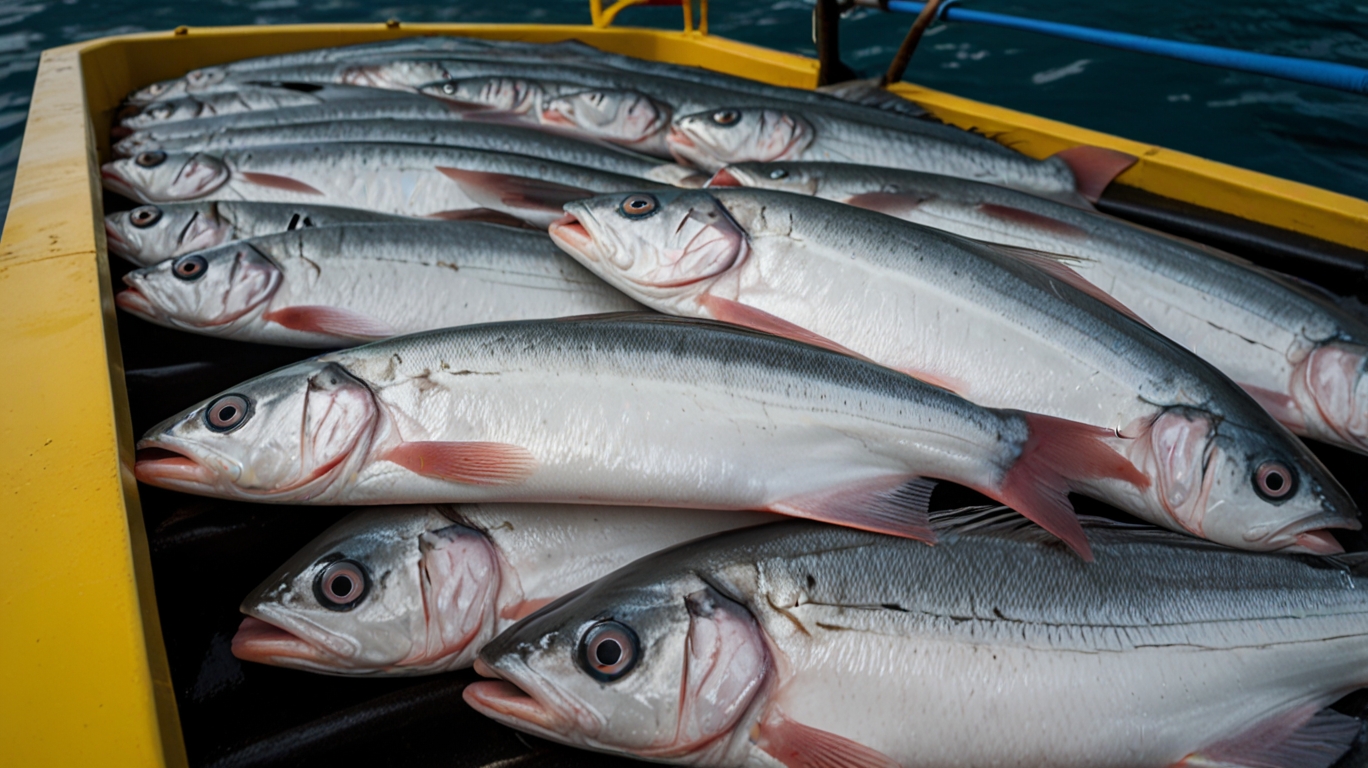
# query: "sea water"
{"points": [[1296, 131]]}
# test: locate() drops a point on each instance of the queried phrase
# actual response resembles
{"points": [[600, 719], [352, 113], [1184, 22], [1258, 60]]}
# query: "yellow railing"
{"points": [[603, 17]]}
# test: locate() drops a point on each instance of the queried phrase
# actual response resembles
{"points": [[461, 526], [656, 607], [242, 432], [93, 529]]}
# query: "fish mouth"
{"points": [[114, 240], [724, 178], [504, 702], [570, 234], [265, 643], [679, 138], [554, 117], [114, 182], [1313, 536], [165, 467], [134, 301]]}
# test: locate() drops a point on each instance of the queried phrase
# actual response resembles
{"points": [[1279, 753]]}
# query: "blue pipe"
{"points": [[1338, 76]]}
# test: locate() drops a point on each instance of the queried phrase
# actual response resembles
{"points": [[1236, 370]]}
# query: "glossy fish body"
{"points": [[348, 284], [150, 234], [437, 583], [989, 326], [754, 647], [1299, 353], [630, 409], [398, 179], [494, 137], [252, 97]]}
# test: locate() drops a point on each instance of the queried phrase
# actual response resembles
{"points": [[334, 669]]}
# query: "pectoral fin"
{"points": [[332, 321], [279, 182], [515, 191], [736, 313], [893, 505], [476, 463], [1288, 741], [800, 746]]}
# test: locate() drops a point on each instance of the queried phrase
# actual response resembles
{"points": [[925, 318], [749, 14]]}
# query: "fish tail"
{"points": [[1057, 456]]}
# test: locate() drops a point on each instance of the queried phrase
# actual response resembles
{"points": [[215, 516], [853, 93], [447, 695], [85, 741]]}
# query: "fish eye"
{"points": [[341, 586], [161, 111], [150, 159], [639, 206], [190, 267], [144, 216], [1274, 480], [726, 116], [448, 88], [609, 650], [778, 173], [227, 413]]}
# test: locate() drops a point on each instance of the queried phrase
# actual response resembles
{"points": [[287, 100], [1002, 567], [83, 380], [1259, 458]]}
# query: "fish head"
{"points": [[161, 177], [1330, 386], [669, 670], [719, 137], [1249, 487], [621, 116], [149, 234], [162, 111], [288, 435], [385, 591], [204, 290], [135, 143], [795, 178], [394, 75], [503, 94], [667, 246]]}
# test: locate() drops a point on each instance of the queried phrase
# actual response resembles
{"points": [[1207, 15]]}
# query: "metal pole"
{"points": [[898, 66], [826, 25]]}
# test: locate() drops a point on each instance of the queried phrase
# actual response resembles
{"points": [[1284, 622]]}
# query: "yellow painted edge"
{"points": [[85, 680]]}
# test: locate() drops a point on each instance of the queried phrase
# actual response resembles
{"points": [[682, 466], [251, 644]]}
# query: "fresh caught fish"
{"points": [[1300, 354], [408, 180], [150, 234], [252, 97], [621, 409], [416, 590], [341, 285], [494, 137], [798, 644], [987, 325]]}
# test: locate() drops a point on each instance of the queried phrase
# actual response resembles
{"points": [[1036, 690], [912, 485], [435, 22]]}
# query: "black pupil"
{"points": [[608, 652], [1274, 481], [638, 204], [189, 267], [227, 412], [342, 585]]}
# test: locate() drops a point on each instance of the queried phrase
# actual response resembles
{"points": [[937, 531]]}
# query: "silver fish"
{"points": [[251, 97], [1300, 354], [514, 139], [150, 234], [417, 590], [386, 178], [620, 409], [987, 325], [348, 284], [744, 132], [798, 644]]}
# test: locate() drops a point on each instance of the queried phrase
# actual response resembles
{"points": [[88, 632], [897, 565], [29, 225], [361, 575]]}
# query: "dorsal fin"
{"points": [[1057, 266]]}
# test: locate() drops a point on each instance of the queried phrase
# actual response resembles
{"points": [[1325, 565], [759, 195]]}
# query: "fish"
{"points": [[1004, 330], [1296, 350], [514, 139], [149, 234], [400, 179], [417, 590], [726, 135], [633, 409], [799, 644], [251, 97], [353, 283]]}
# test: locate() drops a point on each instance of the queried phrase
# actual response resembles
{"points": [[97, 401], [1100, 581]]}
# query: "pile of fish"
{"points": [[781, 304]]}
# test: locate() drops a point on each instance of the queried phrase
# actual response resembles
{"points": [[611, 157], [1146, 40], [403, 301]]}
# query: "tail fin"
{"points": [[1095, 167], [1058, 453]]}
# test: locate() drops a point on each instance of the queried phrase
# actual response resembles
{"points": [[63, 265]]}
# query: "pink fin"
{"points": [[1054, 266], [892, 203], [1058, 453], [333, 321], [895, 506], [800, 746], [474, 463], [1279, 405], [516, 191], [1291, 740], [486, 215], [1033, 220], [279, 182], [1094, 168], [736, 313]]}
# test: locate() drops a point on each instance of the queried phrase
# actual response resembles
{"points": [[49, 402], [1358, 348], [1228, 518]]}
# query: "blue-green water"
{"points": [[1296, 131]]}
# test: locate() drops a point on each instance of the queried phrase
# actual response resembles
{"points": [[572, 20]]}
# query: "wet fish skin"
{"points": [[384, 178], [1295, 349], [496, 137], [150, 234], [252, 97], [442, 581], [352, 283], [987, 325], [616, 409], [739, 133], [936, 659]]}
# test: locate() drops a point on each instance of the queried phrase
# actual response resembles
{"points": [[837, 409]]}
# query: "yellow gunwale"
{"points": [[85, 678]]}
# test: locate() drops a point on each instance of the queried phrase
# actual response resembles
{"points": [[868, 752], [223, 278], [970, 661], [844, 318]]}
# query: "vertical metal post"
{"points": [[826, 18]]}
